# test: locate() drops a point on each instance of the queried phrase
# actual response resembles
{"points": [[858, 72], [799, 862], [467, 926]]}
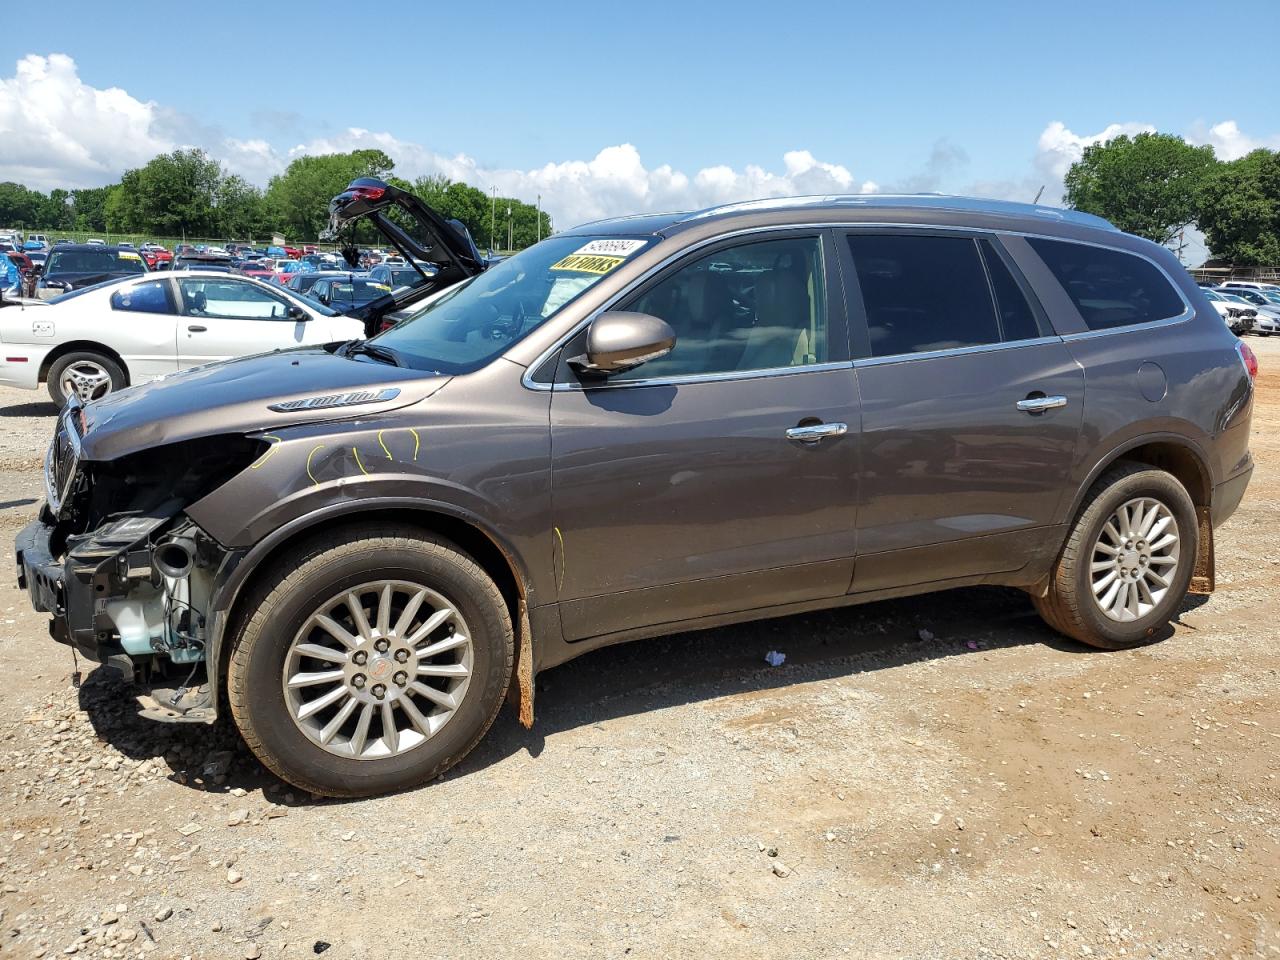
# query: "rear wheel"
{"points": [[89, 375], [370, 662], [1127, 562]]}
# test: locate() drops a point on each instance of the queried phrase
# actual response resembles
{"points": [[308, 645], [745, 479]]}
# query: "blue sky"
{"points": [[958, 97]]}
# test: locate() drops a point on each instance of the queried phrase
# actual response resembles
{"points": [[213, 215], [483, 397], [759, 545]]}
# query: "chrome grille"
{"points": [[63, 458]]}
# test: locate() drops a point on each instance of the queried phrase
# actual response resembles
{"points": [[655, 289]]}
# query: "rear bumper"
{"points": [[1227, 496], [22, 373]]}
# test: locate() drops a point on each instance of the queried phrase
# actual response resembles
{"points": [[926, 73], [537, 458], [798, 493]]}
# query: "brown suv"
{"points": [[636, 427]]}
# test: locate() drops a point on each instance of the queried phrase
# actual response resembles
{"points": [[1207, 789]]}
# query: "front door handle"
{"points": [[1041, 404], [813, 432], [196, 328]]}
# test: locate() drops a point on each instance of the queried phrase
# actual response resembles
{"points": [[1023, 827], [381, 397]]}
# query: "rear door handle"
{"points": [[196, 328], [813, 432], [1040, 404]]}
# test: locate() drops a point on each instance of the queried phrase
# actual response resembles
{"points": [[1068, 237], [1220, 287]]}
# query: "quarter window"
{"points": [[758, 306], [923, 293], [1110, 288], [150, 297], [229, 299]]}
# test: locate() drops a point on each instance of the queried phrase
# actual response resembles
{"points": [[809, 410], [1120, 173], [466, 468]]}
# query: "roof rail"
{"points": [[920, 201]]}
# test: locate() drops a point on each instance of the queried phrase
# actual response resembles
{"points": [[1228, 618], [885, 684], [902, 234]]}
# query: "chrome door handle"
{"points": [[814, 432], [1040, 404]]}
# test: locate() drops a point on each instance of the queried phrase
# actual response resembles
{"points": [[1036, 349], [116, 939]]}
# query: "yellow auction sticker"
{"points": [[126, 255], [580, 263]]}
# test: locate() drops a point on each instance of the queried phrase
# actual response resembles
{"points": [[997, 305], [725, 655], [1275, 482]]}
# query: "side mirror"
{"points": [[297, 313], [619, 340]]}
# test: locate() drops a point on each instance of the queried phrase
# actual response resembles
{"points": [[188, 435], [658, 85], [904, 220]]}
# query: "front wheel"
{"points": [[370, 661], [1127, 562]]}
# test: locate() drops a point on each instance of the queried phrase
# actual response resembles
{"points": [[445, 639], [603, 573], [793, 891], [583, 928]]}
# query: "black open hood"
{"points": [[444, 243]]}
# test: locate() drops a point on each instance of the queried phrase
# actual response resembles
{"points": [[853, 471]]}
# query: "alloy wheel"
{"points": [[378, 670], [87, 379], [1134, 559]]}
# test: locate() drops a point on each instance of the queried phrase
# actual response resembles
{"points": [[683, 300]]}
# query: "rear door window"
{"points": [[151, 297], [923, 293], [1110, 288]]}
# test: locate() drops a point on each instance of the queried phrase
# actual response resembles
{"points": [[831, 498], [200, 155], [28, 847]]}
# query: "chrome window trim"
{"points": [[954, 351], [1188, 312], [691, 378]]}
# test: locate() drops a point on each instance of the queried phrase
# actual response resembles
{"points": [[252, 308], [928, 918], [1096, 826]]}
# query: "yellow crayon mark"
{"points": [[384, 446], [270, 450], [560, 572], [416, 443], [358, 463], [314, 450]]}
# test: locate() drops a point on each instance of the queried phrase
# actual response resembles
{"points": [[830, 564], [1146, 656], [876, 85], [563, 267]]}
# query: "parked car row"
{"points": [[1247, 307]]}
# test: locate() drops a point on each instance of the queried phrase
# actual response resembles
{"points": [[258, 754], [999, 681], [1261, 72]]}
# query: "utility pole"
{"points": [[539, 218], [493, 215], [510, 243]]}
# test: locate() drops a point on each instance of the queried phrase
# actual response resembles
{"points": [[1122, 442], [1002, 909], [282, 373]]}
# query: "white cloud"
{"points": [[1059, 147], [56, 130], [1229, 142]]}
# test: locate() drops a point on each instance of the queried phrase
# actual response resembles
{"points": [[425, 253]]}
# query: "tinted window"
{"points": [[1108, 287], [923, 293], [1017, 321], [143, 298], [753, 307]]}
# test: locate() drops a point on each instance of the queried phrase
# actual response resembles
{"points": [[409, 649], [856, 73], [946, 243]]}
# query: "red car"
{"points": [[155, 254], [262, 269], [293, 253]]}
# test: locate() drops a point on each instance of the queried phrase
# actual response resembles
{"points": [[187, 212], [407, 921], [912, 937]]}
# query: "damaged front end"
{"points": [[126, 576]]}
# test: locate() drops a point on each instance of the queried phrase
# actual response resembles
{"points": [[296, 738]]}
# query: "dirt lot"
{"points": [[939, 777]]}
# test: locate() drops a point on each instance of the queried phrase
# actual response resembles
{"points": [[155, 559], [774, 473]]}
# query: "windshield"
{"points": [[481, 317], [95, 261]]}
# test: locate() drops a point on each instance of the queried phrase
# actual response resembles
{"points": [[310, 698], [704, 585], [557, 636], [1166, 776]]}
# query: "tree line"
{"points": [[188, 193], [1156, 185]]}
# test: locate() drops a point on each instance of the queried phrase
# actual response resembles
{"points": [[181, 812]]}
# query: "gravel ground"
{"points": [[936, 777]]}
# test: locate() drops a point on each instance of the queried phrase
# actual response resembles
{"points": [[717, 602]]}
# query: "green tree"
{"points": [[1146, 184], [174, 194], [89, 208], [241, 210], [56, 212], [1240, 209], [485, 218], [18, 205], [298, 199]]}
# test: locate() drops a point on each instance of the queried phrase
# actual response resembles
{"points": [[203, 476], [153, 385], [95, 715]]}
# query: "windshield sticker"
{"points": [[126, 255], [580, 263], [613, 248]]}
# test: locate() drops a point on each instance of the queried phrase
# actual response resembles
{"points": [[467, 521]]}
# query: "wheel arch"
{"points": [[1175, 454], [1187, 462], [78, 346], [496, 557]]}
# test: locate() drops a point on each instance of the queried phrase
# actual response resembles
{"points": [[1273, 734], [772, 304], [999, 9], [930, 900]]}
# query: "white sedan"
{"points": [[118, 333]]}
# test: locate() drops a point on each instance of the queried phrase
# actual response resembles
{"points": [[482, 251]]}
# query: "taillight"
{"points": [[1248, 358], [388, 324], [369, 193]]}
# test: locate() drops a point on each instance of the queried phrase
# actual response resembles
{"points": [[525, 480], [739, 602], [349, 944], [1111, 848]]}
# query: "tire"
{"points": [[1071, 608], [312, 578], [104, 376]]}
